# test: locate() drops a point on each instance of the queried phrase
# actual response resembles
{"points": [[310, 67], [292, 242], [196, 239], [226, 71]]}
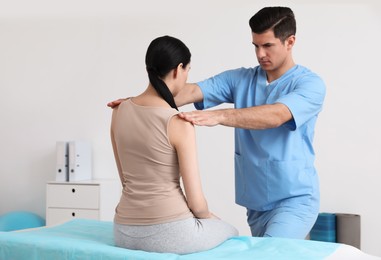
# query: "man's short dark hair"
{"points": [[279, 19]]}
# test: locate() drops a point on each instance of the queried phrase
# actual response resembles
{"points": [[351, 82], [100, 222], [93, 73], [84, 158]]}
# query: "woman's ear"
{"points": [[175, 71]]}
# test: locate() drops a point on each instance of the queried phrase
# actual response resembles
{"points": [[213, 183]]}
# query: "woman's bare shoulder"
{"points": [[180, 130]]}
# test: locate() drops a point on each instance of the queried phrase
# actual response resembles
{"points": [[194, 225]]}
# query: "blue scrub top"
{"points": [[274, 164]]}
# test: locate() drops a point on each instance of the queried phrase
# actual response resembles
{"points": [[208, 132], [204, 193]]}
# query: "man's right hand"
{"points": [[115, 103]]}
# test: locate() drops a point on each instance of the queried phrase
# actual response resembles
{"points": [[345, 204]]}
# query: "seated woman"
{"points": [[154, 149]]}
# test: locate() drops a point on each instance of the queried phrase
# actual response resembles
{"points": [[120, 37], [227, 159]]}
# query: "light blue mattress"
{"points": [[90, 239]]}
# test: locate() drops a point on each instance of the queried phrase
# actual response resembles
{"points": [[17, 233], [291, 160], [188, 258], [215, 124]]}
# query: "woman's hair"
{"points": [[280, 19], [164, 54]]}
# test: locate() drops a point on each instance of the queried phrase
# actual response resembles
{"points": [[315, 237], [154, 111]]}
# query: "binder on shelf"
{"points": [[80, 161], [62, 167]]}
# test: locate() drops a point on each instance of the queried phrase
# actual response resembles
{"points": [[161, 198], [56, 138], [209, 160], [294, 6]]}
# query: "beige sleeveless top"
{"points": [[149, 167]]}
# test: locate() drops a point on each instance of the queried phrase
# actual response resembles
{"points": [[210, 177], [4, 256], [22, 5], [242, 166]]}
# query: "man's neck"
{"points": [[277, 73]]}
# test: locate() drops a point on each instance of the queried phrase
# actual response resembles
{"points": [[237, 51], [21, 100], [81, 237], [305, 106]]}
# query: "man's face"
{"points": [[271, 52]]}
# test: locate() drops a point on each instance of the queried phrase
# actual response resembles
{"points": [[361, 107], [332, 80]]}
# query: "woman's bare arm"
{"points": [[182, 137], [114, 146]]}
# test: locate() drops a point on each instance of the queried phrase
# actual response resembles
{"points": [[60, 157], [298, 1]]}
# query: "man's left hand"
{"points": [[201, 118]]}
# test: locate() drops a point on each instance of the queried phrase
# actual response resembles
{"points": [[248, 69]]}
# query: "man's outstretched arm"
{"points": [[191, 93], [258, 117]]}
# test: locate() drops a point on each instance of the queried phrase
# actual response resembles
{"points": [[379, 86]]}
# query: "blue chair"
{"points": [[17, 220]]}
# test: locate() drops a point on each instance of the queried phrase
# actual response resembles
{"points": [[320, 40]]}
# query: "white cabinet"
{"points": [[93, 199]]}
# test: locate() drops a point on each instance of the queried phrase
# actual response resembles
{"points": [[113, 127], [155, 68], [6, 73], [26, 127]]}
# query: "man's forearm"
{"points": [[191, 93], [260, 117]]}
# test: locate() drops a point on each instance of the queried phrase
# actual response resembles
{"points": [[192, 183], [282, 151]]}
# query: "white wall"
{"points": [[62, 61]]}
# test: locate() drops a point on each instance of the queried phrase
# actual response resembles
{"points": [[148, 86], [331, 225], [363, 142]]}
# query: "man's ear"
{"points": [[290, 41]]}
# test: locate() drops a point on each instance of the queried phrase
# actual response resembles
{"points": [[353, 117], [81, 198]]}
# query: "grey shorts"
{"points": [[180, 237]]}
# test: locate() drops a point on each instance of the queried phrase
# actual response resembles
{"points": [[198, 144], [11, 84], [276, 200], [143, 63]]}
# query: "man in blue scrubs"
{"points": [[276, 105]]}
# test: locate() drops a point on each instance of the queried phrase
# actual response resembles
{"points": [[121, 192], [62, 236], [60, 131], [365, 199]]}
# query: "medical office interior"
{"points": [[62, 61]]}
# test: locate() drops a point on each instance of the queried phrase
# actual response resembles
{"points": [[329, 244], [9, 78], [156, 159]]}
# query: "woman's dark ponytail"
{"points": [[161, 87]]}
